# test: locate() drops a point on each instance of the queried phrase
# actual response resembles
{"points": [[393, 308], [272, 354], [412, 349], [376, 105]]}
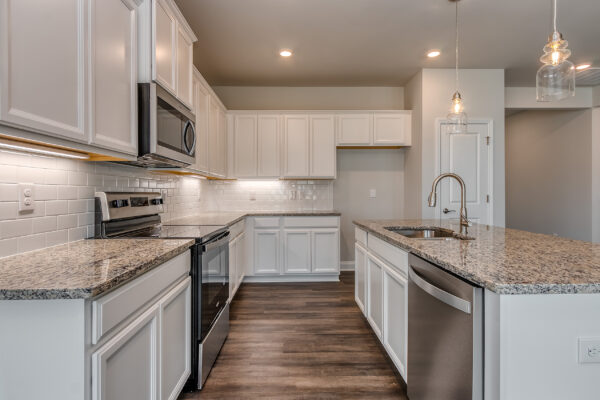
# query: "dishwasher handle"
{"points": [[441, 295]]}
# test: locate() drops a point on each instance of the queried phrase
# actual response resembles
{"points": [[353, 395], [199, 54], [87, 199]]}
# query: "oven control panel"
{"points": [[118, 205]]}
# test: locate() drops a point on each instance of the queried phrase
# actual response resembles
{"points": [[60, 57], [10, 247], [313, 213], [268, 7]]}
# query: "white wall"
{"points": [[596, 173], [310, 98], [413, 98], [483, 94], [524, 98], [359, 171], [549, 172]]}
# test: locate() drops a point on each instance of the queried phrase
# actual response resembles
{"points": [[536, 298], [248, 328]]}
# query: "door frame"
{"points": [[438, 160]]}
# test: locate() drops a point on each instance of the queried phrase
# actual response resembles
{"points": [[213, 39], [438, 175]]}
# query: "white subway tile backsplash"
{"points": [[77, 233], [57, 237], [44, 224], [9, 192], [77, 178], [15, 228], [85, 219], [8, 210], [8, 247], [31, 242], [55, 176], [67, 221], [46, 192], [57, 207], [29, 175], [67, 192]]}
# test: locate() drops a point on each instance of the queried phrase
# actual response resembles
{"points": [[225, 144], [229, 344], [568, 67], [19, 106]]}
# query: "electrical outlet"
{"points": [[26, 197], [589, 350], [372, 193]]}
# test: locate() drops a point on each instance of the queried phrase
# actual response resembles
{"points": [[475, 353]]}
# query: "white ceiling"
{"points": [[378, 42]]}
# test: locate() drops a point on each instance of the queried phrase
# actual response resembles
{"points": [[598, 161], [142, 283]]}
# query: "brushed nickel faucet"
{"points": [[464, 221]]}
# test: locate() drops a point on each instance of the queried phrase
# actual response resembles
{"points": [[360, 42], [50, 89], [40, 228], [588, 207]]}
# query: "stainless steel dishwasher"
{"points": [[445, 335]]}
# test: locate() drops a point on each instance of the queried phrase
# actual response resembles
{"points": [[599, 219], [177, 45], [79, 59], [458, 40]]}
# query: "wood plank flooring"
{"points": [[300, 341]]}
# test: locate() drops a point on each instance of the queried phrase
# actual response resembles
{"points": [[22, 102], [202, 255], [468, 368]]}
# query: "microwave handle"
{"points": [[189, 127]]}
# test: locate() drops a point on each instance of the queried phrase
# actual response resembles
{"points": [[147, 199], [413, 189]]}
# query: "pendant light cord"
{"points": [[456, 23]]}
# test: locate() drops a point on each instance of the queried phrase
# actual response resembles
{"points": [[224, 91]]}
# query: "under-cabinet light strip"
{"points": [[40, 149]]}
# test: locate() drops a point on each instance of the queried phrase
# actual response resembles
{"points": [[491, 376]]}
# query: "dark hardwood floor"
{"points": [[300, 341]]}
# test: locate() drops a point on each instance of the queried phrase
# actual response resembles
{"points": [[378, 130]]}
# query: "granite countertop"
{"points": [[82, 269], [505, 261], [229, 218]]}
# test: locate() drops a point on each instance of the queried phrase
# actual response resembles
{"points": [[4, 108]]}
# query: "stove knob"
{"points": [[157, 201], [119, 203]]}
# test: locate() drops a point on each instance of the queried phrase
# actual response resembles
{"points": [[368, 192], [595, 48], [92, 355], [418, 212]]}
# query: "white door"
{"points": [[375, 294], [354, 129], [395, 313], [184, 66], [325, 251], [296, 251], [244, 146], [113, 121], [201, 103], [175, 339], [266, 251], [392, 129], [42, 66], [360, 277], [165, 46], [126, 367], [268, 146], [469, 156], [322, 146], [296, 146]]}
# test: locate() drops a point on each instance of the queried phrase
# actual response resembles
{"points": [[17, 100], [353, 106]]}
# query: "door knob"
{"points": [[446, 211]]}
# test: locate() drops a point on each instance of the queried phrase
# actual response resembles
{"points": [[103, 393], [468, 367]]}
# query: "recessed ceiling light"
{"points": [[583, 66], [433, 53], [285, 53]]}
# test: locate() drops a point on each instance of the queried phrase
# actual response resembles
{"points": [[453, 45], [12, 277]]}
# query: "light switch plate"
{"points": [[26, 197], [589, 350]]}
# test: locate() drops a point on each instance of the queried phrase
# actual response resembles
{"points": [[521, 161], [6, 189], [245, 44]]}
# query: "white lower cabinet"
{"points": [[232, 267], [266, 251], [360, 276], [381, 292], [395, 315], [325, 254], [296, 244], [237, 263], [375, 294]]}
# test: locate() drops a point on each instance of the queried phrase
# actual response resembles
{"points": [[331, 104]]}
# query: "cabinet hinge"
{"points": [[487, 140], [487, 198]]}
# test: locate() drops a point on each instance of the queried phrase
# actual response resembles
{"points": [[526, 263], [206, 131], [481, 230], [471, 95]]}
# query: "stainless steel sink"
{"points": [[427, 233]]}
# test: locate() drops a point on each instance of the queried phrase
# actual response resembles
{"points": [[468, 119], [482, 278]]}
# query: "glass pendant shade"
{"points": [[457, 118]]}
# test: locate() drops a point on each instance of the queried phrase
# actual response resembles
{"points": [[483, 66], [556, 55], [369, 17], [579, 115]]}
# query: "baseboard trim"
{"points": [[347, 266], [291, 278]]}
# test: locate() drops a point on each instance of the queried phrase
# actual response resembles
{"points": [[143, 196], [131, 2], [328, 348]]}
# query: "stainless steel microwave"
{"points": [[167, 135]]}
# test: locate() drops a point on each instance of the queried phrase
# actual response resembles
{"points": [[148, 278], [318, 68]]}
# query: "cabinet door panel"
{"points": [[322, 146], [241, 259], [184, 67], [266, 251], [201, 105], [232, 267], [296, 146], [268, 146], [325, 251], [165, 49], [114, 82], [244, 146], [296, 251], [213, 137], [126, 366], [395, 317], [355, 129], [222, 140], [42, 66], [360, 277], [392, 129], [375, 294], [175, 337]]}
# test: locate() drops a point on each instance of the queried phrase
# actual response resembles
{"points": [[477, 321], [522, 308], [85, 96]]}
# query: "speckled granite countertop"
{"points": [[230, 218], [505, 261], [82, 269]]}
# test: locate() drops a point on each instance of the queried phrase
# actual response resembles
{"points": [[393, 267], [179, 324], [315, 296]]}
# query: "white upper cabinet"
{"points": [[201, 104], [268, 146], [213, 137], [374, 129], [166, 48], [392, 129], [322, 146], [244, 146], [296, 146], [43, 66], [222, 143], [113, 121], [354, 129]]}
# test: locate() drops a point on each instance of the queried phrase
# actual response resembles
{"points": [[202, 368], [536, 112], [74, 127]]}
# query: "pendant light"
{"points": [[555, 80], [457, 118]]}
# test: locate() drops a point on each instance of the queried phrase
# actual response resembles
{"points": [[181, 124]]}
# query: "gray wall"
{"points": [[359, 171], [549, 172]]}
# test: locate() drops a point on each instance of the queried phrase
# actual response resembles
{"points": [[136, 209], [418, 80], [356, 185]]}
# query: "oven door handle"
{"points": [[443, 296], [211, 245]]}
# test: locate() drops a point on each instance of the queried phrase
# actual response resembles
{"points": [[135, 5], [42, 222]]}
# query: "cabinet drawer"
{"points": [[311, 222], [396, 257], [360, 236], [110, 310], [266, 222]]}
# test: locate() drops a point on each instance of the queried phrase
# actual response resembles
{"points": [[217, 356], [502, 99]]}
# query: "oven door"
{"points": [[214, 290]]}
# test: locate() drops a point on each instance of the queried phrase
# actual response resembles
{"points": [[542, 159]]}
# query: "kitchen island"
{"points": [[541, 303]]}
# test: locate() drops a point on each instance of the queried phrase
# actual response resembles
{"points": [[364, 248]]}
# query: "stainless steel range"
{"points": [[126, 215]]}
